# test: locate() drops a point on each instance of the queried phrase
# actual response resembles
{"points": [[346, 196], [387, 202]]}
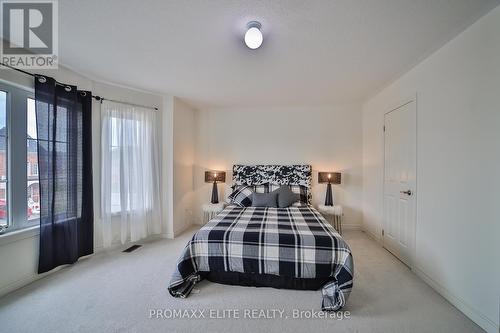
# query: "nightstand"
{"points": [[333, 214], [211, 210]]}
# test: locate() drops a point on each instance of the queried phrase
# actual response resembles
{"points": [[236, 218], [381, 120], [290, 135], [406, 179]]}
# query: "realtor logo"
{"points": [[29, 34]]}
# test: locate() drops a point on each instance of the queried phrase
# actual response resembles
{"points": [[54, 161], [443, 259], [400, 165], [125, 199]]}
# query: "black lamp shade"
{"points": [[329, 177], [215, 176]]}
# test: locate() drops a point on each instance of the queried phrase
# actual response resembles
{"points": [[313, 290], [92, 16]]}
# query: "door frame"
{"points": [[413, 228]]}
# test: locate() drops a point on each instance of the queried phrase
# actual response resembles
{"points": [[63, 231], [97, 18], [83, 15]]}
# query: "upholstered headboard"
{"points": [[298, 174]]}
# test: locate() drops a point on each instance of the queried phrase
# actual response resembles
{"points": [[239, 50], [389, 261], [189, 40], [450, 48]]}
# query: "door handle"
{"points": [[407, 192]]}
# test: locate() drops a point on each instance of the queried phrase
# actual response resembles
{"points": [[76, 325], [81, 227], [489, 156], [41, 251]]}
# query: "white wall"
{"points": [[19, 254], [166, 123], [328, 138], [458, 139], [183, 163]]}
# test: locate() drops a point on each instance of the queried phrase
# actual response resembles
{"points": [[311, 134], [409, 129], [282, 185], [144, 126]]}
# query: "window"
{"points": [[115, 168], [3, 160], [32, 160], [19, 183], [129, 172], [129, 157], [119, 150]]}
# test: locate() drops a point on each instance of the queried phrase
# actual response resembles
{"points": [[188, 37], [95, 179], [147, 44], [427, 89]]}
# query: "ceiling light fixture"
{"points": [[253, 36]]}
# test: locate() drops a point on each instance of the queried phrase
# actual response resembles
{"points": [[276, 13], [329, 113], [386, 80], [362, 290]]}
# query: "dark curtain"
{"points": [[64, 125]]}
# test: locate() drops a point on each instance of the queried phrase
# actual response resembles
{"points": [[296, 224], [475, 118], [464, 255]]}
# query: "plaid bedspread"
{"points": [[294, 242]]}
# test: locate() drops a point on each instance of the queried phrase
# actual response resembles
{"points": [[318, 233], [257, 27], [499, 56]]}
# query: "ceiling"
{"points": [[315, 52]]}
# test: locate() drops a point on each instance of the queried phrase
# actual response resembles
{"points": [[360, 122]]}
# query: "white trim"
{"points": [[117, 245], [181, 230], [168, 235], [413, 251], [372, 235], [20, 234], [351, 226], [34, 232], [400, 104], [475, 315], [468, 310], [26, 280], [30, 88]]}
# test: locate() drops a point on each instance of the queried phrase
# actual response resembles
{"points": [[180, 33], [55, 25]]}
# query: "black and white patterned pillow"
{"points": [[242, 196], [262, 188], [234, 190], [274, 187], [302, 191]]}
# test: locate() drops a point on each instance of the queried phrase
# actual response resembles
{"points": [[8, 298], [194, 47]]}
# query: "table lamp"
{"points": [[214, 177], [329, 178]]}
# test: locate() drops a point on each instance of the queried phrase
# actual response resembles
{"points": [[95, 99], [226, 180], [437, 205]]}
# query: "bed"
{"points": [[289, 248]]}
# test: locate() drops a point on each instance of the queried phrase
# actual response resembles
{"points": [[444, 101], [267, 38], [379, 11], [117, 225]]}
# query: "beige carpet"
{"points": [[115, 292]]}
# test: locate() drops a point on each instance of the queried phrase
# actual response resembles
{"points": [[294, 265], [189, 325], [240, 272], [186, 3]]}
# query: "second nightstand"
{"points": [[211, 210], [333, 214]]}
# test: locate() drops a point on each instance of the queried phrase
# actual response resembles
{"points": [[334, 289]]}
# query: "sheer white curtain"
{"points": [[129, 173]]}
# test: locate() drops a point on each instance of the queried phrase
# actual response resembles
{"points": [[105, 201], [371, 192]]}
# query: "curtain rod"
{"points": [[97, 98]]}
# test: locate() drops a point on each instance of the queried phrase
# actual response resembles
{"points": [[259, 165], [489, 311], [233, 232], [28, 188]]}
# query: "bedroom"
{"points": [[330, 89]]}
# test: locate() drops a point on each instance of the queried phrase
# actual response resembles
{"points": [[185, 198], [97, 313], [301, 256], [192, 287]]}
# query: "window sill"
{"points": [[18, 235]]}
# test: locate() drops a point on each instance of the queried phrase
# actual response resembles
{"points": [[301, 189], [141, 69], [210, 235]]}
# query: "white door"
{"points": [[398, 231]]}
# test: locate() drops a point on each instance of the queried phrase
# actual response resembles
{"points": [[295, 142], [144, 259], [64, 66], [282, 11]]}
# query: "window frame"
{"points": [[17, 152]]}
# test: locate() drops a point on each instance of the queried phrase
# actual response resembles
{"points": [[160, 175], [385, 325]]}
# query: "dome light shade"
{"points": [[253, 36]]}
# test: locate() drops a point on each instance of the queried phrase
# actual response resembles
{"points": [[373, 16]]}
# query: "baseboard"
{"points": [[472, 313], [118, 245], [373, 236], [18, 284], [168, 235], [483, 321], [181, 230], [24, 281], [351, 227], [30, 278]]}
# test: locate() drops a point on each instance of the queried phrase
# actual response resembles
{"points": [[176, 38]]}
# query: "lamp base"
{"points": [[215, 194], [329, 195]]}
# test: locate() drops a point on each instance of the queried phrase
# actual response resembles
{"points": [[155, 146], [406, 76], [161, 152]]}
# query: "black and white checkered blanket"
{"points": [[294, 242]]}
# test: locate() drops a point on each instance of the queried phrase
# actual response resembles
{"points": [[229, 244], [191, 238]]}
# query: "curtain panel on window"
{"points": [[129, 173], [64, 127]]}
